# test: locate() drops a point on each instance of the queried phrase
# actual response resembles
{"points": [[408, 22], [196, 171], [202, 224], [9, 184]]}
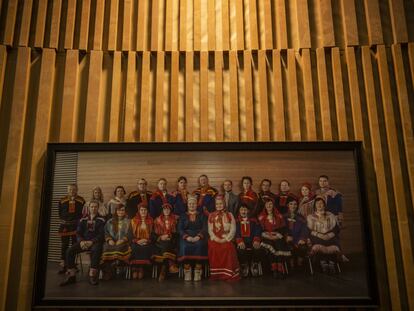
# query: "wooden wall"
{"points": [[216, 70]]}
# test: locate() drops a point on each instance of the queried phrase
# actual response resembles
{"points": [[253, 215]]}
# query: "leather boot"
{"points": [[187, 273], [140, 273], [197, 272], [163, 272], [71, 279], [93, 276]]}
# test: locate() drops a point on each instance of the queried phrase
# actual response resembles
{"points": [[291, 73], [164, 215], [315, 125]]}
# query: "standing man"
{"points": [[332, 197], [231, 200], [141, 195], [205, 196], [70, 212]]}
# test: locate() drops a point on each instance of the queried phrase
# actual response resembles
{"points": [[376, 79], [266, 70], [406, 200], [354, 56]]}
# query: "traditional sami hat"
{"points": [[167, 205], [142, 204], [267, 198], [307, 185], [291, 199]]}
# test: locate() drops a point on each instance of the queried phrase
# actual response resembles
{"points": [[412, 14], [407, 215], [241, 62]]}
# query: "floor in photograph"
{"points": [[351, 282]]}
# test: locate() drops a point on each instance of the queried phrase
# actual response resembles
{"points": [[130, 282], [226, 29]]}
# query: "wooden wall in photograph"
{"points": [[208, 70]]}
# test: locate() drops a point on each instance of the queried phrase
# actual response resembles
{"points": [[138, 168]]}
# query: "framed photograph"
{"points": [[204, 225]]}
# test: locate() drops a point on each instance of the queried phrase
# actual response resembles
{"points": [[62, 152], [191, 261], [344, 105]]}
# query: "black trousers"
{"points": [[96, 252], [65, 244], [249, 255]]}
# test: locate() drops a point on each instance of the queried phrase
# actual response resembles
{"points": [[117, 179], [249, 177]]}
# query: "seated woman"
{"points": [[274, 238], [222, 254], [193, 240], [116, 248], [97, 195], [298, 233], [165, 227], [248, 238], [158, 198], [248, 197], [90, 234], [324, 230], [119, 198], [141, 237]]}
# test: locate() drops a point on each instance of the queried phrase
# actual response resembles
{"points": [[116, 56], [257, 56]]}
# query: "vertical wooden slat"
{"points": [[3, 59], [264, 106], [142, 31], [130, 126], [175, 70], [93, 95], [218, 71], [399, 23], [183, 25], [397, 175], [373, 17], [197, 24], [302, 18], [159, 97], [169, 18], [234, 107], [293, 104], [354, 91], [99, 22], [239, 25], [381, 178], [404, 105], [25, 23], [268, 25], [12, 167], [84, 25], [279, 22], [254, 38], [189, 109], [339, 94], [349, 21], [70, 88], [248, 94], [113, 25], [309, 96], [55, 24], [154, 25], [41, 136], [10, 22], [204, 96], [145, 100], [126, 27], [70, 24], [279, 129], [328, 34], [211, 5], [324, 95], [115, 115], [226, 25]]}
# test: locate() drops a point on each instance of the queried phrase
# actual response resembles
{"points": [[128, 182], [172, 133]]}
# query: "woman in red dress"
{"points": [[222, 254]]}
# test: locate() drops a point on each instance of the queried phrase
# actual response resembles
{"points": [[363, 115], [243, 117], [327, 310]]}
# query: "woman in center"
{"points": [[222, 253]]}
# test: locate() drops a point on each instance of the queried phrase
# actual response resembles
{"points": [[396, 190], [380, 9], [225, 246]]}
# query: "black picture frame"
{"points": [[39, 299]]}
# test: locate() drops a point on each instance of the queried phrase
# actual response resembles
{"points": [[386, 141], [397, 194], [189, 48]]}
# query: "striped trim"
{"points": [[67, 233], [140, 262], [271, 249]]}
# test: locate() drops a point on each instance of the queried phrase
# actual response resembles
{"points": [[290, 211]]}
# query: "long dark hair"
{"points": [[115, 218]]}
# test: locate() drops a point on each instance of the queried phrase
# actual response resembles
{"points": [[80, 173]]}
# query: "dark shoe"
{"points": [[254, 268], [69, 280], [93, 280], [62, 270], [244, 270]]}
